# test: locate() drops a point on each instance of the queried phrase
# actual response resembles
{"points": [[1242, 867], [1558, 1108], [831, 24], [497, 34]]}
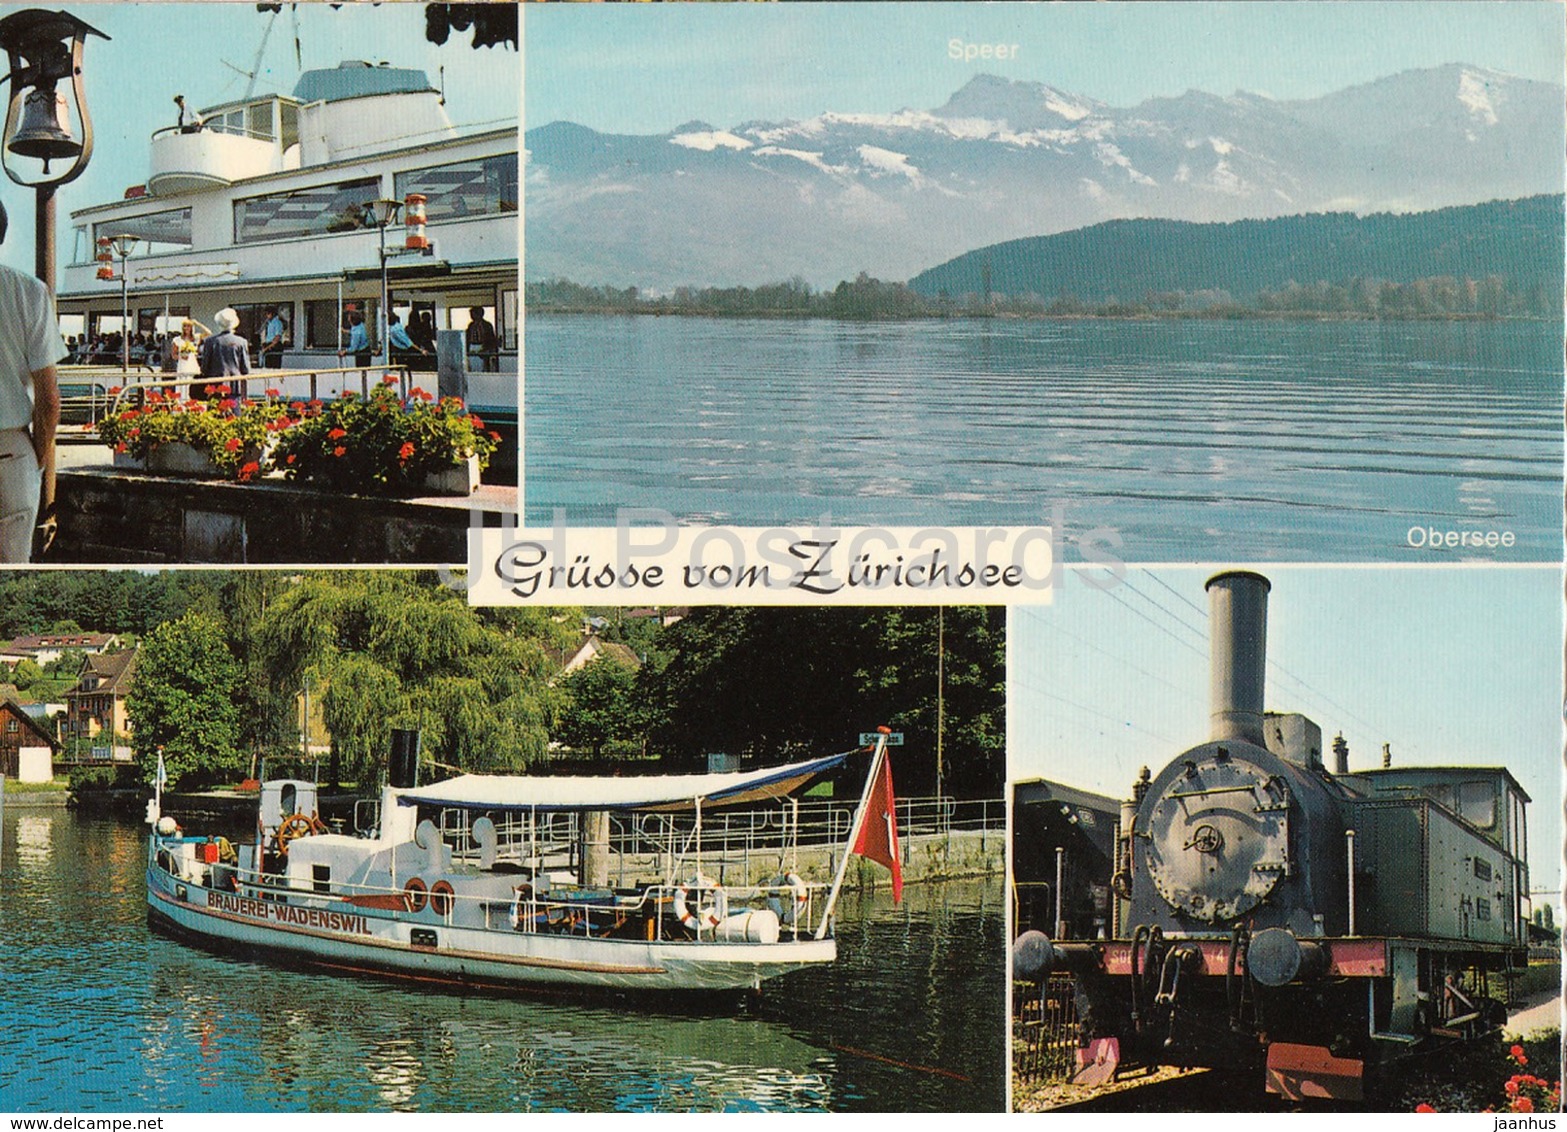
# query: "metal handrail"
{"points": [[739, 897], [137, 390]]}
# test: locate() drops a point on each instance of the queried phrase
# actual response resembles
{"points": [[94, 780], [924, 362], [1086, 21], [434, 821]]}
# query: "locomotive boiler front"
{"points": [[1232, 833]]}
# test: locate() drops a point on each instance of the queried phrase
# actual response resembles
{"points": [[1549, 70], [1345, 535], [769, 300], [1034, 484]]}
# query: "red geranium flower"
{"points": [[405, 453], [225, 389], [233, 444], [1518, 1055], [274, 393], [290, 459], [337, 434], [113, 389], [389, 379], [1523, 1104], [249, 470], [339, 450], [1424, 1108]]}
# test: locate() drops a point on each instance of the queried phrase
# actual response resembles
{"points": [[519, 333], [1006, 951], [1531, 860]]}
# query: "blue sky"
{"points": [[1451, 666], [646, 69], [203, 51]]}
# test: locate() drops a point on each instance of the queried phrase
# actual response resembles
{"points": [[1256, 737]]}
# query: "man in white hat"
{"points": [[30, 345], [225, 354]]}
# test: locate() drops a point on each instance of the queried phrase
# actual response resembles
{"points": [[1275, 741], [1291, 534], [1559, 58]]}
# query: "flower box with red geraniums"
{"points": [[185, 436], [384, 445]]}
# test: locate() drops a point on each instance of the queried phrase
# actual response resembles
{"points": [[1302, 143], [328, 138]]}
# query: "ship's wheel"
{"points": [[296, 826]]}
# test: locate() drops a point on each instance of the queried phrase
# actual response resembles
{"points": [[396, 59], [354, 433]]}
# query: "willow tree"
{"points": [[399, 650]]}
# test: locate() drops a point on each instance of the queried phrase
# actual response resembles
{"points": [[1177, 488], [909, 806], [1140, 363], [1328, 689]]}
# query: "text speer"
{"points": [[968, 52]]}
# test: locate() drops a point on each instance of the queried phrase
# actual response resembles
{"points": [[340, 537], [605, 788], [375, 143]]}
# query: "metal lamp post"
{"points": [[43, 49], [382, 213], [121, 245]]}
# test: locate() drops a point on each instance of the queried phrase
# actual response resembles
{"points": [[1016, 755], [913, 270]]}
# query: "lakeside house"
{"points": [[46, 648], [97, 704], [26, 748]]}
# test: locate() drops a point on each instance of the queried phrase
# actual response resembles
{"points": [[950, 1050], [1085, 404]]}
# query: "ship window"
{"points": [[1477, 803], [482, 187], [258, 120], [304, 212], [323, 329], [156, 232], [321, 878], [508, 326]]}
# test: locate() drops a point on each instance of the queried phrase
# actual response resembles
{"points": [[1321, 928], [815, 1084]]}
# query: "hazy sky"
{"points": [[206, 51], [1453, 666], [647, 68]]}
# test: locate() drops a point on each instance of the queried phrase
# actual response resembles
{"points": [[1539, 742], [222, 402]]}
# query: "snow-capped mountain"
{"points": [[891, 194]]}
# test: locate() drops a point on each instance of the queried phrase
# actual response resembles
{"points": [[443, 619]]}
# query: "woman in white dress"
{"points": [[182, 348]]}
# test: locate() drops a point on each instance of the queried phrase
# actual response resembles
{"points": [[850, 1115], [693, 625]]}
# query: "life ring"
{"points": [[415, 894], [789, 908], [296, 826], [690, 910], [441, 898]]}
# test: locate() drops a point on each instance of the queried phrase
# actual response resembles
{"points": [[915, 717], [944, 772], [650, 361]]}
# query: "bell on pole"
{"points": [[45, 128]]}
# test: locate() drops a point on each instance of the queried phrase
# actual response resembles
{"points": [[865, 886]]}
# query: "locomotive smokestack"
{"points": [[1340, 754], [1238, 624]]}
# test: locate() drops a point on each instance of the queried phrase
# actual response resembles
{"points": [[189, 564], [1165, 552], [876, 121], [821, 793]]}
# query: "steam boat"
{"points": [[501, 893]]}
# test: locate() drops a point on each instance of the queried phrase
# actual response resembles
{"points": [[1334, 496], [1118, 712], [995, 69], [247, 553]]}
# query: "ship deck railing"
{"points": [[732, 843], [646, 910], [318, 384]]}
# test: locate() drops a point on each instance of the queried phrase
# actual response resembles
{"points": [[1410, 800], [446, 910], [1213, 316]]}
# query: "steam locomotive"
{"points": [[1269, 913]]}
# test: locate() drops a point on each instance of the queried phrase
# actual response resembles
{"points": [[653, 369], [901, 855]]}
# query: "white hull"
{"points": [[334, 933]]}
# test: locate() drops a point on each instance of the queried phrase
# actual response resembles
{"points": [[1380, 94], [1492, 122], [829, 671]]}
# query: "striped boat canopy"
{"points": [[659, 792]]}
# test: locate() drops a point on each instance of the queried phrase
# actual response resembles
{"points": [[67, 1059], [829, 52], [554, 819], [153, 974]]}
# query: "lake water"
{"points": [[1193, 440], [103, 1016]]}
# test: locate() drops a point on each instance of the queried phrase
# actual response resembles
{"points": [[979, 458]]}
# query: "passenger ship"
{"points": [[499, 893], [260, 203]]}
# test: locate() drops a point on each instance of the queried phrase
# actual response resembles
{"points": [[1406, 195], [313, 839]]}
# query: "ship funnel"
{"points": [[402, 771], [1238, 627]]}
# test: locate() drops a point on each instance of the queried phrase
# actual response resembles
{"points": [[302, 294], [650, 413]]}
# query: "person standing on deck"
{"points": [[225, 354], [482, 343], [272, 331], [30, 347], [358, 339]]}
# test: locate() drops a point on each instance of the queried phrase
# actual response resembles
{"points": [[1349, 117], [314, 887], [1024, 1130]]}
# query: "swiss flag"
{"points": [[878, 838]]}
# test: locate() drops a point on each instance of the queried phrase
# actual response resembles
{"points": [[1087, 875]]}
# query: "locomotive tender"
{"points": [[1271, 913]]}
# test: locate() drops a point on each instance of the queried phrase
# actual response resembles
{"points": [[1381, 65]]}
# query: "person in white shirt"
{"points": [[30, 347]]}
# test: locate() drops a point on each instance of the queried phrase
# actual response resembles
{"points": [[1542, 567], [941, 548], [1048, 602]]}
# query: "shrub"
{"points": [[380, 444]]}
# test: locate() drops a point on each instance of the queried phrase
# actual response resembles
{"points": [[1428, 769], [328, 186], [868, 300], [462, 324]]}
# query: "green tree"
{"points": [[26, 673], [601, 708], [185, 701]]}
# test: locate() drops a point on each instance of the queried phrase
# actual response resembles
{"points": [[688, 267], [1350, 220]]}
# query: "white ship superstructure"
{"points": [[260, 203]]}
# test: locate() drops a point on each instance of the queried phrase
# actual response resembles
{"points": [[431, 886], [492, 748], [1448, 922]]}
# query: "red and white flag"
{"points": [[878, 839]]}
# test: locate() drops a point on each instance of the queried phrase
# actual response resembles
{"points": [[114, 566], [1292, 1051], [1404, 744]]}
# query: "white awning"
{"points": [[661, 792]]}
